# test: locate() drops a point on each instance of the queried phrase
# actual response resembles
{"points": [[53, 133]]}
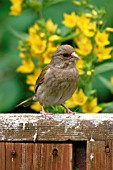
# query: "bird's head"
{"points": [[64, 56]]}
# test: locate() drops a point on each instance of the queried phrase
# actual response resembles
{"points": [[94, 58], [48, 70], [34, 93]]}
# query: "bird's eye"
{"points": [[65, 55]]}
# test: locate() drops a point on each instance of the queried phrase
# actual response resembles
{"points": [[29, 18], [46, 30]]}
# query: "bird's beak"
{"points": [[75, 56]]}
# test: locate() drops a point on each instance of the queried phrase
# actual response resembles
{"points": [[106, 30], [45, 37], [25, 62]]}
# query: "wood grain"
{"points": [[102, 157], [35, 156], [59, 127], [2, 155]]}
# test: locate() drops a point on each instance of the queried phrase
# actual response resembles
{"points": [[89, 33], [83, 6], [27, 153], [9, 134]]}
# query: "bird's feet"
{"points": [[68, 111], [45, 114]]}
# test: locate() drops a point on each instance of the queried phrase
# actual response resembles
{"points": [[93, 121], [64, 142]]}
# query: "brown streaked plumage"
{"points": [[58, 80]]}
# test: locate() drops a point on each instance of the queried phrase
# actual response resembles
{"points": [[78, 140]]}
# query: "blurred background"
{"points": [[13, 88]]}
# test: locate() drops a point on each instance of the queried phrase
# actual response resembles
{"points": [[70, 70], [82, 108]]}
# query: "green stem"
{"points": [[67, 38]]}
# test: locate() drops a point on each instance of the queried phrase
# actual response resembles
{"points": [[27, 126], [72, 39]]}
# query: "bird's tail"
{"points": [[25, 103]]}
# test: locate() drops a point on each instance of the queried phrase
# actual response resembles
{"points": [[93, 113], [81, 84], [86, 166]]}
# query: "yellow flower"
{"points": [[16, 7], [31, 79], [108, 29], [37, 45], [101, 38], [22, 55], [94, 12], [33, 29], [70, 20], [84, 45], [54, 38], [89, 73], [16, 1], [78, 99], [31, 88], [100, 22], [111, 80], [36, 106], [91, 107], [103, 53], [78, 3], [88, 15], [50, 26], [47, 55], [79, 65], [87, 27], [26, 67]]}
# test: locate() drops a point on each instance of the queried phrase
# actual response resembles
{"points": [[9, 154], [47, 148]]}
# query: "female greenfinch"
{"points": [[57, 81]]}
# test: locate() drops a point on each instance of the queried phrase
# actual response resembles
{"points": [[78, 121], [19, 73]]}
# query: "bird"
{"points": [[57, 81]]}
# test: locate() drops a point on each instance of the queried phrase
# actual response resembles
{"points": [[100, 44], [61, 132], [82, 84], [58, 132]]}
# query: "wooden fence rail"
{"points": [[61, 142]]}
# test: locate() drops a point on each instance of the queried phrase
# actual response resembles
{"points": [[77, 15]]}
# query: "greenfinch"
{"points": [[57, 81]]}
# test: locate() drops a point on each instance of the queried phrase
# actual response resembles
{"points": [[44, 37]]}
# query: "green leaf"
{"points": [[9, 93], [55, 109], [51, 2], [108, 109], [68, 37], [76, 168], [106, 83], [106, 105], [64, 31], [67, 31], [34, 4], [10, 86], [103, 68], [18, 34]]}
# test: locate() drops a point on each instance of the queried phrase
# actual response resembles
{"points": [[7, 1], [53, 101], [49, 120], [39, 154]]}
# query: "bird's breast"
{"points": [[58, 86], [60, 75]]}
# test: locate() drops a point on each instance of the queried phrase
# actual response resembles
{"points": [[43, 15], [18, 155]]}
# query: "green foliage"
{"points": [[103, 68], [76, 168], [11, 86], [106, 83]]}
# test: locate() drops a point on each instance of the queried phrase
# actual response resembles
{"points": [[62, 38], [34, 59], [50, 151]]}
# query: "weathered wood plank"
{"points": [[13, 158], [9, 160], [46, 160], [2, 155], [100, 155], [29, 156], [17, 158], [23, 156], [35, 156], [59, 127], [60, 160]]}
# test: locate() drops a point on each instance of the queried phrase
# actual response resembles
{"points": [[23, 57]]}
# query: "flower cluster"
{"points": [[16, 7], [89, 38], [80, 99], [92, 44], [36, 51]]}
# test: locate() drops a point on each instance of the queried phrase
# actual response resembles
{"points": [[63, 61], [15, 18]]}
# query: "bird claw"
{"points": [[68, 111], [45, 114]]}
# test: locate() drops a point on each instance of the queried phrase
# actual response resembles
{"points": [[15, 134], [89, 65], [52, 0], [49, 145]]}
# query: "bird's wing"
{"points": [[40, 79]]}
